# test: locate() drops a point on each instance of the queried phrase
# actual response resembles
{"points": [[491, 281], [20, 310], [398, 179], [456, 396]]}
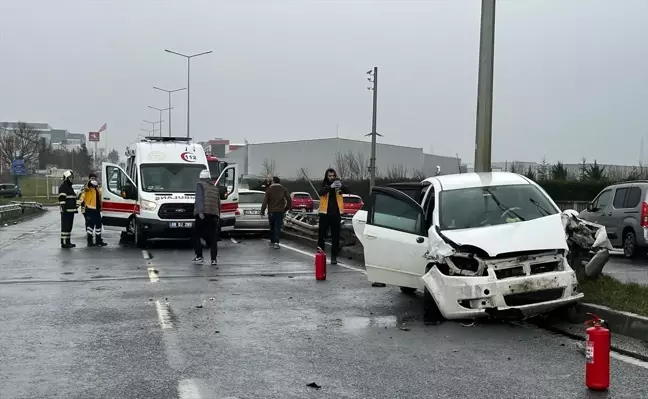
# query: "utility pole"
{"points": [[373, 78], [484, 133]]}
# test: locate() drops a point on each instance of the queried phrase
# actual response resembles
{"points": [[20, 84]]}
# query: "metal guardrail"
{"points": [[16, 209], [307, 223]]}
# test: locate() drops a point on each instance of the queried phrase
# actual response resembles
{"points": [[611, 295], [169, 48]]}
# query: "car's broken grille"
{"points": [[176, 211], [545, 267], [529, 298], [508, 273]]}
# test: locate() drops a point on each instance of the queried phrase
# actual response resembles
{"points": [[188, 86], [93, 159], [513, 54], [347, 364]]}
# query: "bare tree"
{"points": [[342, 165], [419, 175], [397, 172], [20, 142], [363, 165], [268, 167]]}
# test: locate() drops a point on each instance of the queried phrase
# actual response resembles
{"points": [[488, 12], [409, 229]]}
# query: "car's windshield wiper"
{"points": [[539, 207], [504, 207]]}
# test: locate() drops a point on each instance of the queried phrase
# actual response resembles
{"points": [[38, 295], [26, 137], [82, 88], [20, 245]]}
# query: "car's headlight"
{"points": [[148, 205]]}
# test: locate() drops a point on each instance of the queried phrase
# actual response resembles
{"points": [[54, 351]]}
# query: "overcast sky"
{"points": [[571, 76]]}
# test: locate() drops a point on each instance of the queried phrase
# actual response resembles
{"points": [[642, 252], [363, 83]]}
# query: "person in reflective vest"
{"points": [[68, 206], [91, 207]]}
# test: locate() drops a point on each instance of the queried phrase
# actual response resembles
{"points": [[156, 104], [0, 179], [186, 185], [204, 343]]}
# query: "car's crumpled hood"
{"points": [[545, 233]]}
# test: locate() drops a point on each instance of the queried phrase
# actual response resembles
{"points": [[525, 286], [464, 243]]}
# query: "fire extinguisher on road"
{"points": [[320, 265], [597, 354]]}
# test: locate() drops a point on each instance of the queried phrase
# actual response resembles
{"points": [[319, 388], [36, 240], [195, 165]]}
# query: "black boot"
{"points": [[65, 243], [100, 242], [89, 238], [333, 260]]}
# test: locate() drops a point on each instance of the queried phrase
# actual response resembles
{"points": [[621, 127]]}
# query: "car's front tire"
{"points": [[138, 234], [408, 290]]}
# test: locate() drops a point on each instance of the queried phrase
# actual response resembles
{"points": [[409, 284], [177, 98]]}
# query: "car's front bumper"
{"points": [[156, 228], [466, 297]]}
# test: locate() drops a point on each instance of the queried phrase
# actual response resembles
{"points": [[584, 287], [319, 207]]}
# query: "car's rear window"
{"points": [[251, 198], [302, 196], [352, 200], [493, 205]]}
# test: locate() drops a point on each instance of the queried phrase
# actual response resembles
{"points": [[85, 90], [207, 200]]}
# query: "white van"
{"points": [[154, 197]]}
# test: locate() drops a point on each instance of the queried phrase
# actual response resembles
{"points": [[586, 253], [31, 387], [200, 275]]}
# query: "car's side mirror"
{"points": [[590, 207]]}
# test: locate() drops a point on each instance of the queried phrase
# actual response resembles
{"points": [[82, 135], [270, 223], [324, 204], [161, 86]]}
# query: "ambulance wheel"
{"points": [[138, 234], [408, 290]]}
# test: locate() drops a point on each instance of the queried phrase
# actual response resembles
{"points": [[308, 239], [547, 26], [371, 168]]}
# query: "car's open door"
{"points": [[228, 180], [394, 239], [119, 196]]}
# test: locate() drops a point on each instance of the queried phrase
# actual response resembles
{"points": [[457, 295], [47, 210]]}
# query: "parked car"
{"points": [[78, 189], [9, 190], [623, 209], [352, 204], [476, 244], [248, 214], [302, 201]]}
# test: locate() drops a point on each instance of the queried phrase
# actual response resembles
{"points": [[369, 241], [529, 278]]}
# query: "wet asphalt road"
{"points": [[100, 323], [627, 270]]}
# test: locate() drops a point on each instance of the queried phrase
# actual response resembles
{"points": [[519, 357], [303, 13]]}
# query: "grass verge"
{"points": [[607, 291]]}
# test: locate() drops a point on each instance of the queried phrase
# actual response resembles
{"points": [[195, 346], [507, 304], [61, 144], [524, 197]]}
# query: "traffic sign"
{"points": [[18, 167]]}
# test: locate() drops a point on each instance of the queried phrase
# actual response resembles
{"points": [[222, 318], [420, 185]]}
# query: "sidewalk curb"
{"points": [[624, 323]]}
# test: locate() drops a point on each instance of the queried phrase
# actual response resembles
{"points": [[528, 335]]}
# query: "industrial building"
{"points": [[287, 158]]}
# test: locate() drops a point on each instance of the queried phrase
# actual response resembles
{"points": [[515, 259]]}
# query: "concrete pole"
{"points": [[188, 96], [372, 160], [169, 116], [483, 134]]}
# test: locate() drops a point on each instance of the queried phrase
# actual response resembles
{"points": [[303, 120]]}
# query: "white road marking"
{"points": [[357, 269], [163, 315], [188, 389]]}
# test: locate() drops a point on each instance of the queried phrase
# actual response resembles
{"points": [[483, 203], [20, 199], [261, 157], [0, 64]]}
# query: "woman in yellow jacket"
{"points": [[330, 210]]}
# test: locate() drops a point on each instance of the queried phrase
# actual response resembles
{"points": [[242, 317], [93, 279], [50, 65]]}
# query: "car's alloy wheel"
{"points": [[629, 245]]}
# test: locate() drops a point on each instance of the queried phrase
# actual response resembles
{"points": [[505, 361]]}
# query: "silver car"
{"points": [[623, 209], [248, 215]]}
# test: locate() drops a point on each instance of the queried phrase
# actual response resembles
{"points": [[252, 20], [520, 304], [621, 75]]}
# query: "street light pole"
{"points": [[169, 92], [162, 110], [373, 78], [188, 57], [153, 123], [483, 132]]}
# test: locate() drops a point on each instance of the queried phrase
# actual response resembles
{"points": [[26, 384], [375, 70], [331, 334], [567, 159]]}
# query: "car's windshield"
{"points": [[487, 206], [251, 198], [173, 178]]}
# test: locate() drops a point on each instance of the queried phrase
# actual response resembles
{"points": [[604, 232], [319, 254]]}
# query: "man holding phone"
{"points": [[330, 211]]}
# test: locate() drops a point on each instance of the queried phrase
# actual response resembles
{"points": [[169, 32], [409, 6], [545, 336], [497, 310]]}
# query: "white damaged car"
{"points": [[477, 244]]}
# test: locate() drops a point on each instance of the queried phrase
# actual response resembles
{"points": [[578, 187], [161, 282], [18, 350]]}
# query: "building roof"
{"points": [[33, 125]]}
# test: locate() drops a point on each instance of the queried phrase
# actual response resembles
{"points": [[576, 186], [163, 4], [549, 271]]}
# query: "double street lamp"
{"points": [[162, 110], [169, 92], [153, 123], [188, 57]]}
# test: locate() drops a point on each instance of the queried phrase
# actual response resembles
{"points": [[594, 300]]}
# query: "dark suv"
{"points": [[8, 190]]}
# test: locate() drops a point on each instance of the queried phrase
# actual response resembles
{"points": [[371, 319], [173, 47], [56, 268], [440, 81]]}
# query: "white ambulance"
{"points": [[154, 197]]}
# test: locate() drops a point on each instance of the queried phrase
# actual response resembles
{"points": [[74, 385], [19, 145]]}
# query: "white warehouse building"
{"points": [[286, 159]]}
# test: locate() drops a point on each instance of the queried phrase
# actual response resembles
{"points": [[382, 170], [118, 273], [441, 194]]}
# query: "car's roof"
{"points": [[469, 180], [246, 191], [300, 192], [350, 195]]}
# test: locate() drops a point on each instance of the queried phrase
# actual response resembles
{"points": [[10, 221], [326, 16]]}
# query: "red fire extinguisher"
{"points": [[320, 265], [597, 354]]}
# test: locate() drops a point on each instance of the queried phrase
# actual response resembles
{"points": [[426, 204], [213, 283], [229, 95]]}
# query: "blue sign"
{"points": [[18, 167]]}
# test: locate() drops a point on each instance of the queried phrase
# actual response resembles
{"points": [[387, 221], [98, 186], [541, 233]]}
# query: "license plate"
{"points": [[180, 224], [251, 212]]}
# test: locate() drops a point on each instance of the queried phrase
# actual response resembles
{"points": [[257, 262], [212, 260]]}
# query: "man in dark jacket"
{"points": [[207, 212], [68, 207], [330, 210], [277, 201]]}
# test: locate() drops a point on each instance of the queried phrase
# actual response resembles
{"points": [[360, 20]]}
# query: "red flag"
{"points": [[103, 127]]}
